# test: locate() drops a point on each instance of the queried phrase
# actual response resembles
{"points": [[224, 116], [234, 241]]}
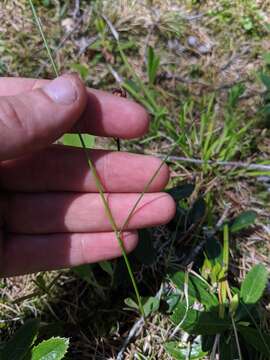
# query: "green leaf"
{"points": [[197, 289], [266, 58], [265, 80], [83, 70], [152, 64], [258, 340], [253, 286], [227, 348], [20, 343], [52, 349], [107, 267], [181, 192], [243, 221], [234, 94], [171, 301], [131, 303], [180, 352], [199, 322], [73, 140], [150, 305]]}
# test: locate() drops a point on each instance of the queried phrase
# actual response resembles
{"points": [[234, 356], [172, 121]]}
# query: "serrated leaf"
{"points": [[258, 340], [253, 286], [181, 192], [52, 349], [197, 289], [243, 221], [199, 322], [20, 343]]}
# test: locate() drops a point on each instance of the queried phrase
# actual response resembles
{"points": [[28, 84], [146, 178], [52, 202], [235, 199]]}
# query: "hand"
{"points": [[51, 214]]}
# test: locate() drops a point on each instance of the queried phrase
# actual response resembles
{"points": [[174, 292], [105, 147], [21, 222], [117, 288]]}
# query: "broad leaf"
{"points": [[150, 305], [82, 69], [52, 349], [171, 301], [107, 267], [181, 192], [180, 352], [243, 221], [20, 343], [197, 289], [253, 286], [266, 58], [258, 340], [266, 80], [199, 322]]}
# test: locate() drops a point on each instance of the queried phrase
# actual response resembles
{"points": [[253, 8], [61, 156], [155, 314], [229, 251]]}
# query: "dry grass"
{"points": [[228, 51]]}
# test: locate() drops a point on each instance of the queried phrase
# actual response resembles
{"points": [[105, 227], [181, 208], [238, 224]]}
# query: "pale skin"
{"points": [[51, 214]]}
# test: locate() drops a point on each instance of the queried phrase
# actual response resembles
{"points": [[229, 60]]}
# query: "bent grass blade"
{"points": [[92, 168], [118, 233]]}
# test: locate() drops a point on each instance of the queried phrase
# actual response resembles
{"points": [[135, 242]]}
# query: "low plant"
{"points": [[24, 346], [220, 318]]}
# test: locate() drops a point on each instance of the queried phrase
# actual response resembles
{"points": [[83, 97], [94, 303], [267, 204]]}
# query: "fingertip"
{"points": [[162, 172], [110, 115], [171, 208], [138, 120], [130, 240], [168, 207], [80, 89]]}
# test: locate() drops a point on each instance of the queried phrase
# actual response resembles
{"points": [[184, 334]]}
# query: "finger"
{"points": [[34, 119], [32, 253], [105, 114], [60, 168], [55, 213]]}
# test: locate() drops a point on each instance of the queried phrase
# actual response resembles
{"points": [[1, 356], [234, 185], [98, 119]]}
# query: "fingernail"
{"points": [[61, 91]]}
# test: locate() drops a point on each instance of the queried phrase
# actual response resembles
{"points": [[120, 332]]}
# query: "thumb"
{"points": [[34, 119]]}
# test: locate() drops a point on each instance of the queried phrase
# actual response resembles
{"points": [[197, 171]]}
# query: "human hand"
{"points": [[51, 214]]}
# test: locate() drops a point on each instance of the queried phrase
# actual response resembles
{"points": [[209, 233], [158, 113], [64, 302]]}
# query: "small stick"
{"points": [[230, 164], [134, 331]]}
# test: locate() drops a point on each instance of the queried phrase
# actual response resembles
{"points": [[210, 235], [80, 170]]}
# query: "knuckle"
{"points": [[9, 116]]}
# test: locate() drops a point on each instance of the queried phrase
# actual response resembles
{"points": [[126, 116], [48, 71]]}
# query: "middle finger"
{"points": [[62, 212]]}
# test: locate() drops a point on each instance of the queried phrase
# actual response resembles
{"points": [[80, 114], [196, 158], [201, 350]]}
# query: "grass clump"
{"points": [[197, 69]]}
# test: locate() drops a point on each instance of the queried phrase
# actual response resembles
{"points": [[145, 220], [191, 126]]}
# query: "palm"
{"points": [[51, 213]]}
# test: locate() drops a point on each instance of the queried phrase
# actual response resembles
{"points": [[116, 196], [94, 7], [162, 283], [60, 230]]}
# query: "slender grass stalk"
{"points": [[146, 189], [92, 168], [223, 285], [39, 25], [236, 338], [144, 89]]}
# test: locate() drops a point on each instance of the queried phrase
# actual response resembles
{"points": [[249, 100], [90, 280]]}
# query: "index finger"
{"points": [[105, 113]]}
